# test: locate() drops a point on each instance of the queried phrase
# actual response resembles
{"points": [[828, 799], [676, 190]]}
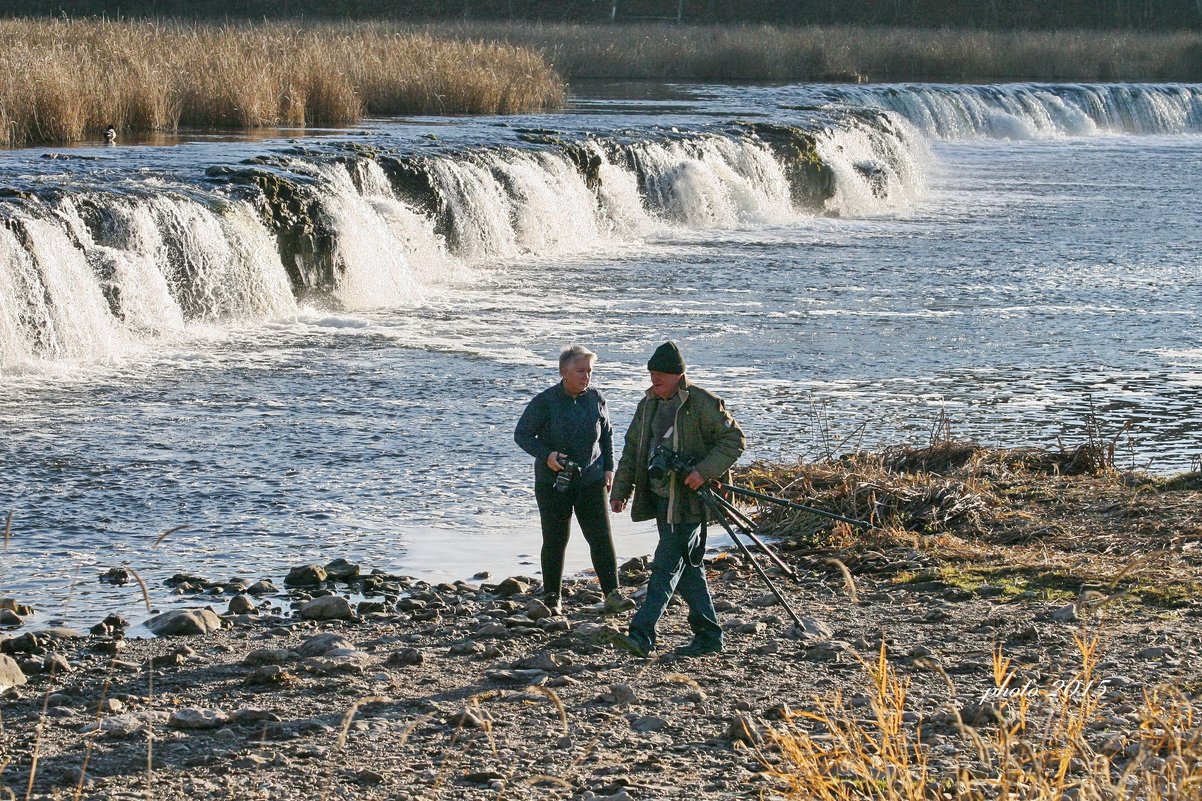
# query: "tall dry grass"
{"points": [[1020, 744], [64, 81], [768, 53]]}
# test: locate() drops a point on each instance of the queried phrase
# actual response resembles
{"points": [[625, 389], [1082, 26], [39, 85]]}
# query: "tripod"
{"points": [[731, 519]]}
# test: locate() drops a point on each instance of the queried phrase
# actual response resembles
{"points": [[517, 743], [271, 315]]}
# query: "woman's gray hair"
{"points": [[573, 352]]}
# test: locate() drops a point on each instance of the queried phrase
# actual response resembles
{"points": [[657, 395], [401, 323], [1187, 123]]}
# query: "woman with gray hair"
{"points": [[566, 429]]}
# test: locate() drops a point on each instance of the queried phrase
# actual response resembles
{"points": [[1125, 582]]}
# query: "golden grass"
{"points": [[64, 81], [1027, 743], [819, 53]]}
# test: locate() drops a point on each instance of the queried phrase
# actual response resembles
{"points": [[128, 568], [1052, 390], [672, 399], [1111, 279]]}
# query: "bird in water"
{"points": [[110, 135]]}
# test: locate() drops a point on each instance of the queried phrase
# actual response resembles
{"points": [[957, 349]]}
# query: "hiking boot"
{"points": [[615, 603], [553, 603], [699, 648], [626, 643]]}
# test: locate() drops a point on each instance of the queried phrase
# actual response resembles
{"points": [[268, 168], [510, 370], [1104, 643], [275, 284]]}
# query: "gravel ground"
{"points": [[475, 691]]}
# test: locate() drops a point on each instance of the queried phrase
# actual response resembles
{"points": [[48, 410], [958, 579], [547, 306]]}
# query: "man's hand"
{"points": [[616, 505], [553, 461], [609, 480], [694, 480]]}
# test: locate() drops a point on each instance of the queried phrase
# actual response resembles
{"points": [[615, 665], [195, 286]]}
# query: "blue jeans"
{"points": [[671, 570]]}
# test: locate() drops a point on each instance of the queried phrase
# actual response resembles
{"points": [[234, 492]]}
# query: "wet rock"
{"points": [[10, 618], [117, 576], [327, 607], [184, 623], [537, 610], [341, 570], [512, 586], [11, 674], [262, 587], [305, 576], [196, 718], [241, 605], [11, 605], [322, 644]]}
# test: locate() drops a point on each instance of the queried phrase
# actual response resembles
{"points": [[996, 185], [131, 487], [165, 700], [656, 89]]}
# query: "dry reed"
{"points": [[64, 80], [1019, 744]]}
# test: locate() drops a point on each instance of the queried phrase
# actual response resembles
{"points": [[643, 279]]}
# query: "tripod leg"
{"points": [[748, 528], [707, 498]]}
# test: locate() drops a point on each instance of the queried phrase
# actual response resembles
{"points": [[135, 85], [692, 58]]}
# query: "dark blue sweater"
{"points": [[579, 427]]}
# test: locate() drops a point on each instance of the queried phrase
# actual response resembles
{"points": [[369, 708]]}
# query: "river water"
{"points": [[1018, 261]]}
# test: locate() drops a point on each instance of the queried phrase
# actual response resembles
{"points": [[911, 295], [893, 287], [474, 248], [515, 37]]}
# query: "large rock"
{"points": [[10, 673], [342, 570], [328, 607], [184, 622], [305, 576]]}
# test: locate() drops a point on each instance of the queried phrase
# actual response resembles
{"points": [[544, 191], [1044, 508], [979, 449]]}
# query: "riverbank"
{"points": [[847, 53], [918, 638], [67, 80]]}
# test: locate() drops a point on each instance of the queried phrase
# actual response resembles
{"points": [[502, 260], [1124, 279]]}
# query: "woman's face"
{"points": [[577, 375]]}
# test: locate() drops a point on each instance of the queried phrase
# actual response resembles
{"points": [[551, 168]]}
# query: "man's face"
{"points": [[577, 375], [664, 385]]}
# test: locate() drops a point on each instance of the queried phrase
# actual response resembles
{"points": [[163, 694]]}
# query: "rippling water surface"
{"points": [[1013, 285]]}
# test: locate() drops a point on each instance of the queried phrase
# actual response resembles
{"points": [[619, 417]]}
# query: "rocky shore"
{"points": [[338, 684]]}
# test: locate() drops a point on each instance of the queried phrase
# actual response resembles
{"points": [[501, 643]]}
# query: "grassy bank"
{"points": [[64, 81], [766, 53]]}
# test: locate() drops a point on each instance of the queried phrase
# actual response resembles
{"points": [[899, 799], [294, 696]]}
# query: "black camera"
{"points": [[663, 461], [567, 474]]}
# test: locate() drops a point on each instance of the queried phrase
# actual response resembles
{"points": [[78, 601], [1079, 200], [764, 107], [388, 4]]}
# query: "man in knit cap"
{"points": [[696, 426]]}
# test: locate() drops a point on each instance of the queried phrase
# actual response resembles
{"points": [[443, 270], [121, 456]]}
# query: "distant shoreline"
{"points": [[740, 53]]}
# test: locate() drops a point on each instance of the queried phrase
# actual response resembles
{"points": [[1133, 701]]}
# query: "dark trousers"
{"points": [[590, 503], [673, 569]]}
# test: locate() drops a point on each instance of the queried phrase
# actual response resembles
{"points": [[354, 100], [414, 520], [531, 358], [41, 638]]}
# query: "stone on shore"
{"points": [[322, 644], [327, 607], [305, 576], [11, 674], [341, 570], [184, 622], [195, 718]]}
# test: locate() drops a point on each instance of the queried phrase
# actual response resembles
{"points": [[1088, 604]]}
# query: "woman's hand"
{"points": [[553, 461], [616, 505]]}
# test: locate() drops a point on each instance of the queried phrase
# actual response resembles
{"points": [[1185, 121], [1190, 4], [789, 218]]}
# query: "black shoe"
{"points": [[699, 648], [553, 603]]}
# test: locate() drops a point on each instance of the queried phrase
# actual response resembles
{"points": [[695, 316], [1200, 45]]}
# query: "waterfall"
{"points": [[86, 277], [87, 274], [1032, 111]]}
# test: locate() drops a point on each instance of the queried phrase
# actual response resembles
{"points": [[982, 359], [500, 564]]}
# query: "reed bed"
{"points": [[656, 51], [65, 81]]}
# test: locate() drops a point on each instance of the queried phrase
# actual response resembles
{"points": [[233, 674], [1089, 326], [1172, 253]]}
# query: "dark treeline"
{"points": [[983, 14]]}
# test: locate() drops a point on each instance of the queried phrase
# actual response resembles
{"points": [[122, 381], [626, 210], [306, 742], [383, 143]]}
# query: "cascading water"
{"points": [[1032, 111]]}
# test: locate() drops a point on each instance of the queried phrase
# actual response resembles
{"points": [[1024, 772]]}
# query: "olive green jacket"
{"points": [[703, 434]]}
